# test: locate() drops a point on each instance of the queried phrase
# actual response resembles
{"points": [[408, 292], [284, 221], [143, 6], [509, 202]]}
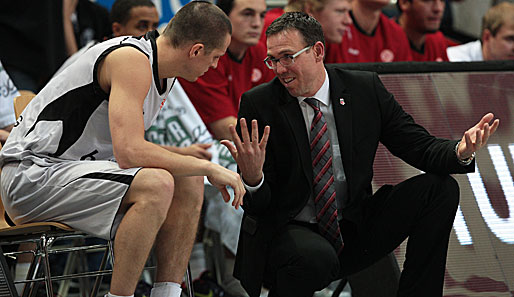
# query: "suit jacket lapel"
{"points": [[294, 116], [342, 107]]}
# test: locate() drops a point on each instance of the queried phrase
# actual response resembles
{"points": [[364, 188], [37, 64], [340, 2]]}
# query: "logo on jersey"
{"points": [[353, 51], [256, 75], [162, 102], [386, 55]]}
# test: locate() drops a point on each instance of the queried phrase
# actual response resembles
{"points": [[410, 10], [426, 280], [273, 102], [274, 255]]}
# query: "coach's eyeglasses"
{"points": [[286, 60]]}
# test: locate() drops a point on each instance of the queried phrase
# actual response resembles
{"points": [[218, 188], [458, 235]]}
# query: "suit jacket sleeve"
{"points": [[411, 142]]}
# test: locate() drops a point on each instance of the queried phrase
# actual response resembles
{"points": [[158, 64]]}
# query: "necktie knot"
{"points": [[313, 102]]}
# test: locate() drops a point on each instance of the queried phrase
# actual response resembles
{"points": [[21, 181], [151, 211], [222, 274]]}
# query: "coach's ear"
{"points": [[319, 51]]}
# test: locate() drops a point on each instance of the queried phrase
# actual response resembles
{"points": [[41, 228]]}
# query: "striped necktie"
{"points": [[323, 183]]}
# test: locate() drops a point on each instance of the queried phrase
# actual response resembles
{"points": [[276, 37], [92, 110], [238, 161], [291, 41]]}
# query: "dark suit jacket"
{"points": [[370, 115]]}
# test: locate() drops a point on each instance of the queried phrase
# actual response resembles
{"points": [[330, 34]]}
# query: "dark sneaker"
{"points": [[143, 289], [206, 286]]}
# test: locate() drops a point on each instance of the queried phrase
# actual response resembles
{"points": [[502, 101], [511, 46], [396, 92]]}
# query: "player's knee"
{"points": [[157, 188]]}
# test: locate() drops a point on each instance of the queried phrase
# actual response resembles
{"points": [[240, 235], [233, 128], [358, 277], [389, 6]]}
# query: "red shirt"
{"points": [[434, 48], [217, 93], [271, 15], [388, 43]]}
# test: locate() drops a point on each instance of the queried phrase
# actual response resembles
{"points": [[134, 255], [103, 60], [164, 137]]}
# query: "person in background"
{"points": [[272, 14], [372, 37], [334, 16], [84, 21], [496, 42], [216, 94], [128, 18], [420, 19]]}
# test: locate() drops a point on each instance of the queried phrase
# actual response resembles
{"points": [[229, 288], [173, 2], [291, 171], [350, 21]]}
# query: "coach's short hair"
{"points": [[199, 22], [309, 27]]}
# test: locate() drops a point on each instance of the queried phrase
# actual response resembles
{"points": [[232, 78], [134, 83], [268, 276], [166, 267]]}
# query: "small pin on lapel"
{"points": [[341, 101]]}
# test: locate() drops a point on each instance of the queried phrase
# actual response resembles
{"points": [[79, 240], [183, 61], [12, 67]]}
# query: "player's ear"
{"points": [[196, 49]]}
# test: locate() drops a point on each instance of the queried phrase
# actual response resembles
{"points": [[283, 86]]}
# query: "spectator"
{"points": [[334, 15], [371, 38], [80, 156], [420, 19], [128, 17], [497, 40], [216, 94], [272, 14], [83, 22]]}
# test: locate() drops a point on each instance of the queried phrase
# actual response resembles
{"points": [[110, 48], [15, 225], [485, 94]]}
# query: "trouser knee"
{"points": [[445, 190]]}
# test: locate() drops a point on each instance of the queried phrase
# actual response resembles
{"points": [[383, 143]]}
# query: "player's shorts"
{"points": [[85, 195]]}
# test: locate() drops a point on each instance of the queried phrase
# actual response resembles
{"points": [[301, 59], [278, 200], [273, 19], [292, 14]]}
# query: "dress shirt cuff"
{"points": [[463, 162], [253, 189]]}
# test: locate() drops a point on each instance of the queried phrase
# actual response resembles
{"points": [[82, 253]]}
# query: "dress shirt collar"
{"points": [[323, 94]]}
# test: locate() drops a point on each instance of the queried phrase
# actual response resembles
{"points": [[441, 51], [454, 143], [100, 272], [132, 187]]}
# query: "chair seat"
{"points": [[35, 228]]}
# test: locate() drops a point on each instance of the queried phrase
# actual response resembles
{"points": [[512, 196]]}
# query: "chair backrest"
{"points": [[3, 220], [22, 101]]}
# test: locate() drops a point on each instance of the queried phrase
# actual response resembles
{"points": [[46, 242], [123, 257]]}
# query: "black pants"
{"points": [[421, 208]]}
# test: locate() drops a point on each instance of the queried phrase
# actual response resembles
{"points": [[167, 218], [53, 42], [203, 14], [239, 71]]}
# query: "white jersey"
{"points": [[68, 119]]}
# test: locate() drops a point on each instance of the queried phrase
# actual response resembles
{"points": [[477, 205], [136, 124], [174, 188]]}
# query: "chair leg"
{"points": [[45, 244], [84, 284], [189, 282], [30, 290], [103, 264], [64, 285]]}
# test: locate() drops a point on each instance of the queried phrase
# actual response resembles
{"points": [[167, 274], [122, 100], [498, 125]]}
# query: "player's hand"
{"points": [[199, 150], [220, 177]]}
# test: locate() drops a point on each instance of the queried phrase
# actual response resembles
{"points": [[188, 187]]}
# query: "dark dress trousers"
{"points": [[373, 224]]}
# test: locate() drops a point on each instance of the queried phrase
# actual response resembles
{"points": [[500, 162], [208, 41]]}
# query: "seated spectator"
{"points": [[333, 15], [371, 38], [420, 19], [216, 94], [497, 40], [272, 14], [80, 156], [128, 17], [8, 92]]}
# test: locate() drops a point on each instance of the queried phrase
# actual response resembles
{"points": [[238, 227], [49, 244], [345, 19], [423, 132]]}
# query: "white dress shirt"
{"points": [[308, 213]]}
